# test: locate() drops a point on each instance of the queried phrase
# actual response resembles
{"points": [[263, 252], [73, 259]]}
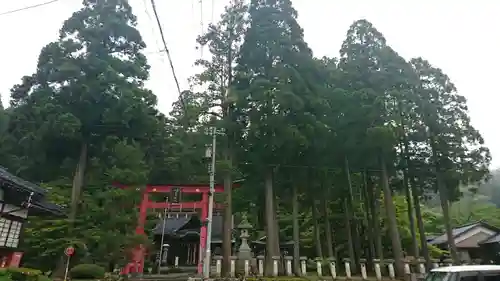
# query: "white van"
{"points": [[465, 273]]}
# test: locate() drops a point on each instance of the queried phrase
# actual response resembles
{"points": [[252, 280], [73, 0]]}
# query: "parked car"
{"points": [[465, 273]]}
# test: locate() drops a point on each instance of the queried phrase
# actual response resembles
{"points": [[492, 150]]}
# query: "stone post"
{"points": [[260, 265], [421, 266], [390, 268], [362, 263], [406, 267], [246, 268], [333, 267], [288, 265], [319, 266], [435, 263], [176, 262], [303, 266], [378, 272], [347, 264], [218, 266], [233, 266], [276, 260]]}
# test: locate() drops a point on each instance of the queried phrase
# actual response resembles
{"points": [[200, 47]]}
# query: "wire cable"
{"points": [[181, 98], [202, 26], [27, 8]]}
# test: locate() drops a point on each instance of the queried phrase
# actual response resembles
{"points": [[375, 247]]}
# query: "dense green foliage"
{"points": [[339, 155], [87, 271]]}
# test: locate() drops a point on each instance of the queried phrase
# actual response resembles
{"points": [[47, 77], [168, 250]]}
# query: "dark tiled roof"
{"points": [[45, 208], [458, 231], [20, 183], [183, 226], [493, 239], [39, 206]]}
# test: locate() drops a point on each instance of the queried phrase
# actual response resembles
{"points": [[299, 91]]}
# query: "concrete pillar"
{"points": [[303, 266], [233, 266], [319, 266], [378, 271], [362, 263], [276, 260], [421, 266], [260, 265], [347, 264], [288, 265], [390, 268], [407, 268], [333, 267], [218, 266]]}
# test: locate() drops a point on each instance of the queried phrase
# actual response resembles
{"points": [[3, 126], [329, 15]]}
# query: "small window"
{"points": [[436, 276], [491, 276], [469, 276]]}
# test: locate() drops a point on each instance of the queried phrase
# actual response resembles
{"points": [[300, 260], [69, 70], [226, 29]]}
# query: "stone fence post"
{"points": [[218, 266], [362, 263], [378, 271]]}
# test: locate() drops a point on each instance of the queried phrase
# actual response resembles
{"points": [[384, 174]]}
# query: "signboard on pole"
{"points": [[175, 194], [69, 251]]}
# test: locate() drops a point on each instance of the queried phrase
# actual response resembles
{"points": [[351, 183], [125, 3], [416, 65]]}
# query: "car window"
{"points": [[436, 276], [491, 276], [469, 276]]}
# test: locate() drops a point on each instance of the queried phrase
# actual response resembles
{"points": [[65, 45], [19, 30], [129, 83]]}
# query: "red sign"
{"points": [[69, 251]]}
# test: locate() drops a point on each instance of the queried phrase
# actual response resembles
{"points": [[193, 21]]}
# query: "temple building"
{"points": [[181, 233], [19, 200]]}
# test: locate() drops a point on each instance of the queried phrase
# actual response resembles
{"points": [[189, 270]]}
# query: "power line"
{"points": [[202, 26], [28, 7], [150, 19], [181, 98]]}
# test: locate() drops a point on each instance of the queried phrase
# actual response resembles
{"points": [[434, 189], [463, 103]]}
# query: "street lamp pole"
{"points": [[206, 262]]}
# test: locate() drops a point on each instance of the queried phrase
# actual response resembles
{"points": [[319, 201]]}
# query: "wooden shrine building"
{"points": [[19, 200], [182, 235]]}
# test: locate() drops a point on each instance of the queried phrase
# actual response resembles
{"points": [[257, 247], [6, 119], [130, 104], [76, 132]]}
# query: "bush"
{"points": [[43, 278], [24, 274], [87, 271]]}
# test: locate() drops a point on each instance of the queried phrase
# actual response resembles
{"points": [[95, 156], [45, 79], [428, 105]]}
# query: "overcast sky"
{"points": [[461, 37]]}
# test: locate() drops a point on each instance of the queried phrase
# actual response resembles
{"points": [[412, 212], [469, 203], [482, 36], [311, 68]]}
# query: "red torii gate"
{"points": [[136, 265]]}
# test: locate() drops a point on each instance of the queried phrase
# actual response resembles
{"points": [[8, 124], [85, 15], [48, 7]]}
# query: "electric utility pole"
{"points": [[211, 170]]}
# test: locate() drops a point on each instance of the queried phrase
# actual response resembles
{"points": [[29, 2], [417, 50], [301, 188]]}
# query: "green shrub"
{"points": [[87, 271], [5, 275], [23, 273], [43, 278]]}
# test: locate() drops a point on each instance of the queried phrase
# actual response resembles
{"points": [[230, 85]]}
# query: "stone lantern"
{"points": [[244, 252]]}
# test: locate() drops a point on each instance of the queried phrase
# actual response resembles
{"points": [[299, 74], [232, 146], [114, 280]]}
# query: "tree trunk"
{"points": [[404, 149], [390, 209], [228, 221], [317, 231], [296, 230], [276, 243], [368, 220], [78, 181], [350, 243], [443, 198], [374, 193], [328, 227], [270, 223], [352, 220], [411, 218], [420, 223]]}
